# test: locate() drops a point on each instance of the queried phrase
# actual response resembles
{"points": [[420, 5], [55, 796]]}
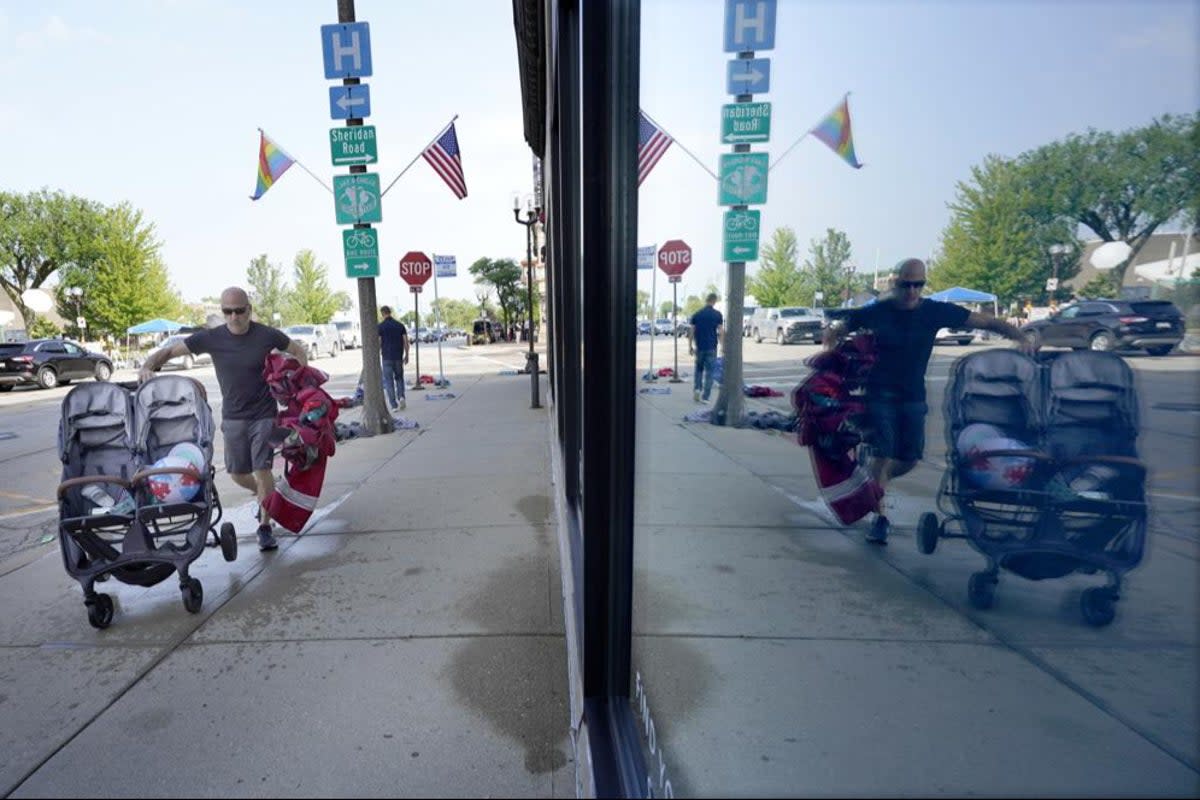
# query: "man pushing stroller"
{"points": [[905, 326]]}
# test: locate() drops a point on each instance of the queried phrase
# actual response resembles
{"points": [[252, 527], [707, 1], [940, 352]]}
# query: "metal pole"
{"points": [[653, 315], [437, 321], [417, 387], [531, 360], [675, 328]]}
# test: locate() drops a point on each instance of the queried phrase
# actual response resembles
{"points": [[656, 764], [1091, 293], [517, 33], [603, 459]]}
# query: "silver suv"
{"points": [[786, 325], [316, 339]]}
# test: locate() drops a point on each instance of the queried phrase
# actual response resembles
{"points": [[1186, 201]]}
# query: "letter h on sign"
{"points": [[749, 25], [347, 50]]}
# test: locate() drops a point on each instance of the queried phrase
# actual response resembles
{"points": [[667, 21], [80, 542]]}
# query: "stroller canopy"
{"points": [[155, 326]]}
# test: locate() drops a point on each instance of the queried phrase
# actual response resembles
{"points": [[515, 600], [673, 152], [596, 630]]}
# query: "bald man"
{"points": [[905, 326], [239, 349]]}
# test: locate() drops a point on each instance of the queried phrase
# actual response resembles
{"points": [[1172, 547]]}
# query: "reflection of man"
{"points": [[905, 326], [704, 334], [239, 349]]}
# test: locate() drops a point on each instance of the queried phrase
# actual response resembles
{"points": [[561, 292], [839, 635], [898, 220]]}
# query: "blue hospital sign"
{"points": [[749, 25], [347, 50]]}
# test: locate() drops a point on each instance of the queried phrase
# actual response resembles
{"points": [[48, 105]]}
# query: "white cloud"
{"points": [[56, 32]]}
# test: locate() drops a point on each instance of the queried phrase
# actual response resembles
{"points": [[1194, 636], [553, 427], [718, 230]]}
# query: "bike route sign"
{"points": [[356, 198], [743, 179], [361, 248], [739, 241], [353, 145], [743, 123]]}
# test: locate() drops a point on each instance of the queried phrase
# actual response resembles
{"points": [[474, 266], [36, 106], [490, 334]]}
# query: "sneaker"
{"points": [[266, 540], [403, 404], [696, 396], [395, 407], [879, 531]]}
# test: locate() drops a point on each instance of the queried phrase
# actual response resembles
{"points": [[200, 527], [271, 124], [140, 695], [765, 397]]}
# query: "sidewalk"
{"points": [[410, 643]]}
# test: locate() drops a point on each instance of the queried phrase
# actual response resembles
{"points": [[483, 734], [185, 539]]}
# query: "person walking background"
{"points": [[393, 347], [239, 349], [904, 327], [705, 332]]}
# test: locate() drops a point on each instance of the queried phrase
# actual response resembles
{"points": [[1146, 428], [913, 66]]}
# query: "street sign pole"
{"points": [[653, 316], [437, 322], [416, 290], [675, 327]]}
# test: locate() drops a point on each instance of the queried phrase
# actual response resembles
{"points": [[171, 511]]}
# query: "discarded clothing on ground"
{"points": [[309, 419], [830, 412], [655, 390], [698, 416], [770, 420], [760, 391]]}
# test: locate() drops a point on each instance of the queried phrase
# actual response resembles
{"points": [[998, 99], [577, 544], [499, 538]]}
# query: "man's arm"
{"points": [[987, 322], [298, 352], [405, 337], [159, 357]]}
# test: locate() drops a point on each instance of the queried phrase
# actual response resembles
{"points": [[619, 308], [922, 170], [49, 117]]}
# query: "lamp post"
{"points": [[531, 358], [1057, 251], [77, 293], [849, 268]]}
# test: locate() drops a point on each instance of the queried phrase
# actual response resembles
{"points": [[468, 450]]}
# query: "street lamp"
{"points": [[1057, 251], [77, 293], [531, 358]]}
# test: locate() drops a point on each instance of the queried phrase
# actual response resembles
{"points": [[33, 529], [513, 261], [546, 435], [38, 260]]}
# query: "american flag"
{"points": [[652, 143], [446, 160]]}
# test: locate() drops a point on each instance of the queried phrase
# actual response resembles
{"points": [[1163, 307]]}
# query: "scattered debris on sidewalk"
{"points": [[655, 390], [441, 396], [760, 391]]}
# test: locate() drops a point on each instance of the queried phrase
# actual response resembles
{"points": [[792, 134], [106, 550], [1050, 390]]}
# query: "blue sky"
{"points": [[157, 102]]}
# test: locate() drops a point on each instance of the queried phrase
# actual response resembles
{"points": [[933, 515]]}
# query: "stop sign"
{"points": [[415, 268], [674, 257]]}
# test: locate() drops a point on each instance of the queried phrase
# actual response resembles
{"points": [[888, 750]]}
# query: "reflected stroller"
{"points": [[111, 523], [1073, 499]]}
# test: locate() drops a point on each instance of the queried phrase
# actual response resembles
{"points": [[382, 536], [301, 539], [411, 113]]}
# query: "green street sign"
{"points": [[739, 240], [743, 179], [353, 145], [361, 248], [745, 122], [356, 198]]}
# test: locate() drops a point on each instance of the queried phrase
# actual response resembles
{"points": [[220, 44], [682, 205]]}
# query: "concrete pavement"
{"points": [[410, 642]]}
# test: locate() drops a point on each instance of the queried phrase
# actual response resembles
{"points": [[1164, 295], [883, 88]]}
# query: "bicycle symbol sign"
{"points": [[740, 239], [361, 248], [356, 198]]}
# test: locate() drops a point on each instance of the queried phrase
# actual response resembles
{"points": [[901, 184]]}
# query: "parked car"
{"points": [[49, 363], [662, 326], [963, 336], [644, 328], [316, 338], [1155, 326], [787, 325], [484, 331], [182, 362], [747, 316], [349, 332]]}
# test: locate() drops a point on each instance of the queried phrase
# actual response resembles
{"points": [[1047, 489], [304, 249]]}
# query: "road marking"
{"points": [[26, 512]]}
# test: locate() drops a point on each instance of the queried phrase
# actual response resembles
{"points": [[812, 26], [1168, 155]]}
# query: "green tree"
{"points": [[41, 233], [456, 313], [310, 300], [999, 235], [825, 270], [665, 308], [127, 282], [1122, 186], [778, 280], [643, 305], [504, 277], [268, 289], [691, 305]]}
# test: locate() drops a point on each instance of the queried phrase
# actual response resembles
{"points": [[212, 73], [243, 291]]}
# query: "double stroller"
{"points": [[1042, 475], [137, 498]]}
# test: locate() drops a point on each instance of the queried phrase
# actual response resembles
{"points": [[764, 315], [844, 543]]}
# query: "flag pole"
{"points": [[681, 147], [807, 132], [297, 162], [419, 154]]}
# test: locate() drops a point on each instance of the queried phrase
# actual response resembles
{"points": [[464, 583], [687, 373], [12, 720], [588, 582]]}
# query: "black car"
{"points": [[1155, 326], [48, 363]]}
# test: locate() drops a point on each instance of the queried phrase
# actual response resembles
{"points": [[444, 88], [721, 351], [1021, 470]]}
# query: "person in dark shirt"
{"points": [[904, 327], [238, 349], [393, 347], [704, 335]]}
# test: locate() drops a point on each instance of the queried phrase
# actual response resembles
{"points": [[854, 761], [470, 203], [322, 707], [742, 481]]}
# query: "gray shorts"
{"points": [[247, 444]]}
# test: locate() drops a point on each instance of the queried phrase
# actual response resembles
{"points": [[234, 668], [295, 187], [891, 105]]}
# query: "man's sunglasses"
{"points": [[231, 311], [911, 284]]}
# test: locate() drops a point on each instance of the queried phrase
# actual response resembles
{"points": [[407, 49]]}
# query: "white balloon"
{"points": [[1108, 255], [37, 300]]}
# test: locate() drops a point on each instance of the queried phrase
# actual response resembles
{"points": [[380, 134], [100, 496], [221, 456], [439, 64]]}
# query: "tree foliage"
{"points": [[504, 277], [455, 313], [268, 289], [778, 280], [825, 271], [310, 300]]}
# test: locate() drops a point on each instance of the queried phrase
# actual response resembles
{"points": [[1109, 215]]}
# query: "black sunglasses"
{"points": [[910, 284], [230, 311]]}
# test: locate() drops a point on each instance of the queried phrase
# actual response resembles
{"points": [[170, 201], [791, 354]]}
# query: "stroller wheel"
{"points": [[228, 541], [927, 532], [1098, 606], [100, 611], [981, 590], [193, 595]]}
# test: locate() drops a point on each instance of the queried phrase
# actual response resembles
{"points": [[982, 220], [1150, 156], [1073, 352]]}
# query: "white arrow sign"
{"points": [[738, 249], [753, 76], [346, 101]]}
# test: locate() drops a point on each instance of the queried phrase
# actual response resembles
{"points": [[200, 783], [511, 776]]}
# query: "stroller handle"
{"points": [[84, 480]]}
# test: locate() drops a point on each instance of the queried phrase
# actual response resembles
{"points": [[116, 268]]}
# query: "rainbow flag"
{"points": [[272, 163], [834, 131]]}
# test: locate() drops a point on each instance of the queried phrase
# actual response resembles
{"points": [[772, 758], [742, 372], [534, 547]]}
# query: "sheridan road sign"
{"points": [[353, 145]]}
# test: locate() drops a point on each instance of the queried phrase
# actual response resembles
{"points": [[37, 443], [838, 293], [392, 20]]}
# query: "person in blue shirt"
{"points": [[704, 335], [904, 327], [393, 347]]}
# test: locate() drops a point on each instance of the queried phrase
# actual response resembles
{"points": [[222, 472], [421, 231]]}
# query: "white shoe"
{"points": [[403, 404], [696, 396]]}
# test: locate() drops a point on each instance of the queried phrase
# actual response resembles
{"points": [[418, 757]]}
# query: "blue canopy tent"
{"points": [[155, 326], [961, 295]]}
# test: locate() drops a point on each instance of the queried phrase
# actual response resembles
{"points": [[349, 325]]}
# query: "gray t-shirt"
{"points": [[238, 361]]}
